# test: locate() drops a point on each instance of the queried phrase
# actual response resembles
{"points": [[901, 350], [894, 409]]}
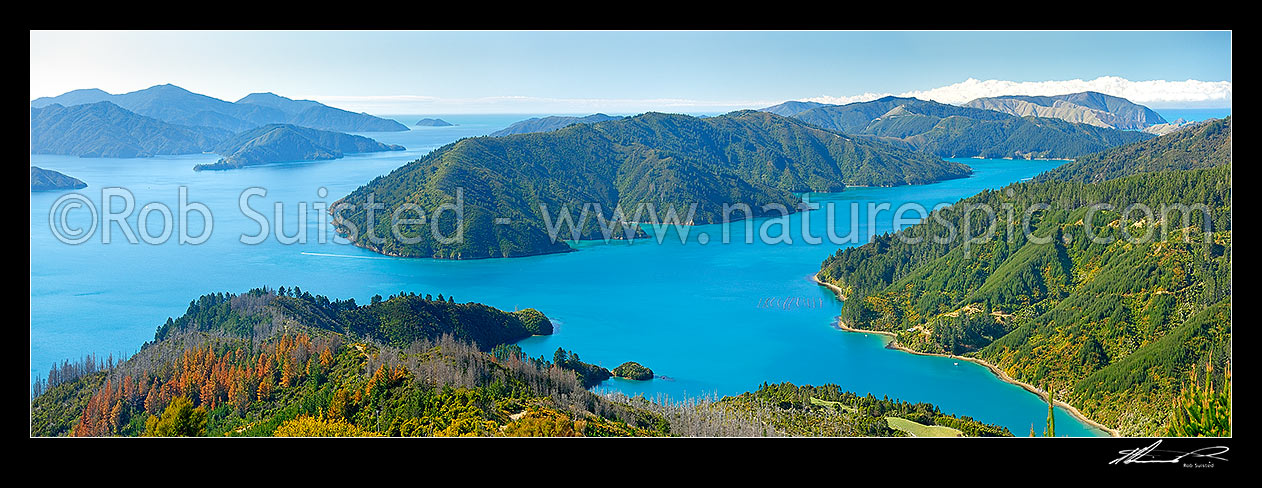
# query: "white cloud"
{"points": [[866, 97], [1154, 93]]}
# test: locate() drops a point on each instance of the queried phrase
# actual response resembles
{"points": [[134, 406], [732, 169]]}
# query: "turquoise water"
{"points": [[693, 313], [1193, 114]]}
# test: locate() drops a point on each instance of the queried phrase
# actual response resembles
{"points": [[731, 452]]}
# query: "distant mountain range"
{"points": [[176, 105], [953, 131], [105, 130], [859, 117], [433, 123], [545, 124], [789, 109], [47, 180], [667, 160], [1090, 108], [182, 122], [286, 142]]}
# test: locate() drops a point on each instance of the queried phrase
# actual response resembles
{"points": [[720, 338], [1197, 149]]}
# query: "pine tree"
{"points": [[1051, 419], [1200, 411], [179, 419]]}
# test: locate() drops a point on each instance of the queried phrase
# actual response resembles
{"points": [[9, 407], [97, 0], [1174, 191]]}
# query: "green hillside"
{"points": [[953, 131], [668, 162], [1111, 324], [105, 130], [1208, 144], [287, 363], [49, 180], [276, 143]]}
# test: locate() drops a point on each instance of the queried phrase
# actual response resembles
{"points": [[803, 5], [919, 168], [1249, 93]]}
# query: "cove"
{"points": [[695, 313]]}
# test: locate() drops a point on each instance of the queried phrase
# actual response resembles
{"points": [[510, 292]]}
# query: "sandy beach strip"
{"points": [[995, 370]]}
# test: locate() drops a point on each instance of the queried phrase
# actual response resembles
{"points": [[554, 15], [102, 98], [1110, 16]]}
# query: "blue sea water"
{"points": [[696, 314], [1193, 114]]}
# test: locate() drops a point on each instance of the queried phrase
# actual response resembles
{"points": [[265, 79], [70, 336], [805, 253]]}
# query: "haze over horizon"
{"points": [[632, 72]]}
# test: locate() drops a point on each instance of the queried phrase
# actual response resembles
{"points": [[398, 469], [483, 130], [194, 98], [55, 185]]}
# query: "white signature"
{"points": [[1151, 454]]}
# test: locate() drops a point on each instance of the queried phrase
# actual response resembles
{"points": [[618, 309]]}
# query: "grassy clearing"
{"points": [[920, 430]]}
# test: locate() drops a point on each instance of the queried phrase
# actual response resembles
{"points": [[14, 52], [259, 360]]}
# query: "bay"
{"points": [[1194, 114], [697, 314]]}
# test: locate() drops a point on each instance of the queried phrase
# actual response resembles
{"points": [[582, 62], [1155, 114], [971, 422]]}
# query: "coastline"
{"points": [[995, 370], [830, 286], [360, 244]]}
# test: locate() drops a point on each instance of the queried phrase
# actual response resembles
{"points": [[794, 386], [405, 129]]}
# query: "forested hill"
{"points": [[396, 321], [288, 363], [172, 104], [668, 161], [308, 113], [788, 109], [1208, 144], [47, 180], [545, 124], [258, 359], [167, 120], [428, 122], [105, 130], [856, 118], [283, 142], [952, 131], [1112, 325]]}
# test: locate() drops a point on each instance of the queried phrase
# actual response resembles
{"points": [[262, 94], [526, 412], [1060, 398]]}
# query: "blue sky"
{"points": [[577, 71]]}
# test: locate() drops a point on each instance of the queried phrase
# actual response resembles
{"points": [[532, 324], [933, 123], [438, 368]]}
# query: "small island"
{"points": [[433, 123], [632, 370], [49, 180], [276, 143]]}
